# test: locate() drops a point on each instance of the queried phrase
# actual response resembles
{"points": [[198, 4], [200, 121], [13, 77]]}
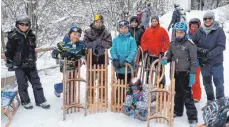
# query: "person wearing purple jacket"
{"points": [[211, 42]]}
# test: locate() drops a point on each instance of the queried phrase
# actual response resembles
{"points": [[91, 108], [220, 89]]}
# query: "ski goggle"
{"points": [[123, 23]]}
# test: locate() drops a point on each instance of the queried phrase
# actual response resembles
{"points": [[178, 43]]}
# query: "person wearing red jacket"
{"points": [[155, 41], [194, 25]]}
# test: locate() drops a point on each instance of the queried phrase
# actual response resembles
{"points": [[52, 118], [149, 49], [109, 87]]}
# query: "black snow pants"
{"points": [[24, 75], [183, 96]]}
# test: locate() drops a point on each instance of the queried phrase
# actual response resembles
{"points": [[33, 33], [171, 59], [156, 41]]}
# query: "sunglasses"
{"points": [[205, 19], [24, 24]]}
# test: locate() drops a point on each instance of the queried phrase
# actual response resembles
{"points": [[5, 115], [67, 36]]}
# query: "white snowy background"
{"points": [[38, 117]]}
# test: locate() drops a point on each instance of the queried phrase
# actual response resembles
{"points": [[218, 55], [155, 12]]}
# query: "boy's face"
{"points": [[98, 23], [180, 33], [208, 21], [75, 36], [23, 26], [124, 30], [134, 24]]}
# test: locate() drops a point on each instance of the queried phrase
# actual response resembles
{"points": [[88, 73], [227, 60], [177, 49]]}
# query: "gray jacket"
{"points": [[184, 53]]}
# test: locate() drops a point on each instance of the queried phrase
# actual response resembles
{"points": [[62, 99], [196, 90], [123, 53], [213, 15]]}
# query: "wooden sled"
{"points": [[139, 62], [118, 89], [71, 90], [97, 77], [9, 100], [164, 96]]}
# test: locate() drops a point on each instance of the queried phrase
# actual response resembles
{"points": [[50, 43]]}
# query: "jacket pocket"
{"points": [[183, 64], [17, 58]]}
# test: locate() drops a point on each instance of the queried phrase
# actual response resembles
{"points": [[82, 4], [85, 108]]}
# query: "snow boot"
{"points": [[44, 105], [28, 106], [58, 89], [192, 123], [141, 115], [176, 115], [128, 110]]}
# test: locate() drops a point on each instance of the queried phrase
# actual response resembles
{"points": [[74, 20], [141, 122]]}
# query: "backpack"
{"points": [[139, 17], [215, 113]]}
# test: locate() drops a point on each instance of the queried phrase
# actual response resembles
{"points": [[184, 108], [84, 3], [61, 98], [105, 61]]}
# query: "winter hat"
{"points": [[135, 84], [209, 14], [176, 5], [75, 29], [98, 17], [155, 17], [134, 18]]}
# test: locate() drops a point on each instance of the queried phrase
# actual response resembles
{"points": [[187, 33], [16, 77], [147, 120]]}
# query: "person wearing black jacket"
{"points": [[21, 58], [136, 30]]}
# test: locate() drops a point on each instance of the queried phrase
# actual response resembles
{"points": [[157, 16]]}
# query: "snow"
{"points": [[38, 117]]}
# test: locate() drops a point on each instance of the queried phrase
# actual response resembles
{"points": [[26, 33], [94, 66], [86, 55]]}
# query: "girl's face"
{"points": [[154, 22], [124, 30], [194, 26], [75, 36]]}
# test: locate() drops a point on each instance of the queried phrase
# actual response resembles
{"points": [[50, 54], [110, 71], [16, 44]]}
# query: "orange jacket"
{"points": [[155, 40]]}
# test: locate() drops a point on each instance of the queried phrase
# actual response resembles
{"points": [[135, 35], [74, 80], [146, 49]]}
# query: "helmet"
{"points": [[135, 84], [23, 19], [123, 23], [133, 18], [180, 26], [75, 29], [194, 20]]}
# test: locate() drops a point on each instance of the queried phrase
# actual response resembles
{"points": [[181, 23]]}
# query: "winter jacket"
{"points": [[99, 39], [139, 102], [184, 53], [175, 17], [136, 33], [146, 14], [72, 51], [214, 41], [124, 48], [20, 48], [155, 40]]}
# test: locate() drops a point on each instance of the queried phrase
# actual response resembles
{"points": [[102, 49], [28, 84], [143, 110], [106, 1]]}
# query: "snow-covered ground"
{"points": [[38, 117]]}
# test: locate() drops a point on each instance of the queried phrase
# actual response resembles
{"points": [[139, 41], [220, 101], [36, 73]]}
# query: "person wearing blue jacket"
{"points": [[124, 50], [211, 42]]}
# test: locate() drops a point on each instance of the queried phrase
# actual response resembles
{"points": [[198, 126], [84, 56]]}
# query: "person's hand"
{"points": [[164, 61], [115, 63], [192, 78], [122, 64]]}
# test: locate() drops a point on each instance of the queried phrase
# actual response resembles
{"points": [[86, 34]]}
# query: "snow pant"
{"points": [[24, 75], [152, 59], [183, 96], [196, 89], [218, 78]]}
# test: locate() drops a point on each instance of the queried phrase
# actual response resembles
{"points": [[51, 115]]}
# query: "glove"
{"points": [[197, 63], [115, 63], [164, 61], [202, 51], [162, 54], [192, 78], [54, 54]]}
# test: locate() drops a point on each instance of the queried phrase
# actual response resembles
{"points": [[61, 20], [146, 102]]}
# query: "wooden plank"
{"points": [[98, 89], [102, 98], [121, 87], [95, 90]]}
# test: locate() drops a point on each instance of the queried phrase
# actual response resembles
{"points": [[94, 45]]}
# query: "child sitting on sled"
{"points": [[136, 99], [73, 50]]}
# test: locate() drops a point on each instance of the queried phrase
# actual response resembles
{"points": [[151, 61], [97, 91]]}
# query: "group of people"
{"points": [[195, 47]]}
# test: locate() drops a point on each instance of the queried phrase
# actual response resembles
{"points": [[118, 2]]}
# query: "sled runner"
{"points": [[164, 96], [71, 90], [97, 91], [118, 89], [9, 99], [139, 62]]}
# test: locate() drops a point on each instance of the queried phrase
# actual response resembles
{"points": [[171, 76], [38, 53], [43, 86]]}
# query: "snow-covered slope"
{"points": [[38, 117]]}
